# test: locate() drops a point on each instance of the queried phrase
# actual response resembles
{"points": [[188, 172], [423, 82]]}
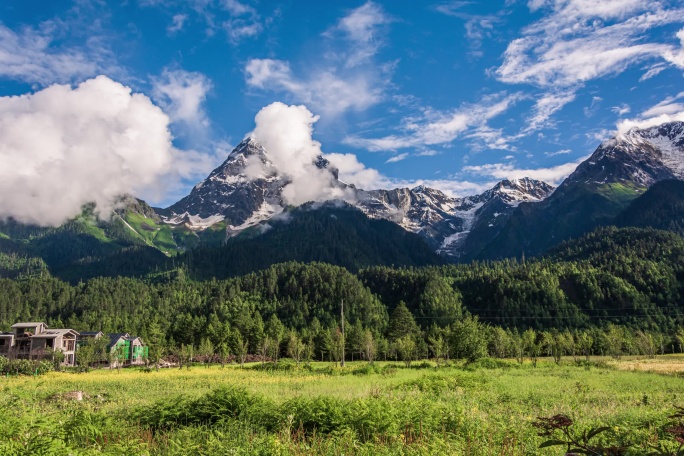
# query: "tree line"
{"points": [[625, 278]]}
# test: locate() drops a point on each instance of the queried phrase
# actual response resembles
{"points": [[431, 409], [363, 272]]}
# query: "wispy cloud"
{"points": [[671, 109], [177, 23], [621, 110], [545, 107], [593, 107], [653, 71], [238, 20], [398, 158], [581, 40], [347, 78], [362, 29], [554, 175], [354, 172], [34, 55], [326, 91], [669, 106], [487, 138], [428, 153], [557, 153], [478, 27], [182, 95], [244, 21], [441, 127]]}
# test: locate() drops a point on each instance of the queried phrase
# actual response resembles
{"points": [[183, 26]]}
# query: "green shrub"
{"points": [[321, 414], [370, 419], [284, 365], [222, 404], [368, 369], [24, 366], [44, 367]]}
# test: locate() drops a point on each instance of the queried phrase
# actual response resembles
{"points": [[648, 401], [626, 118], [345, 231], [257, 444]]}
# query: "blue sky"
{"points": [[454, 94]]}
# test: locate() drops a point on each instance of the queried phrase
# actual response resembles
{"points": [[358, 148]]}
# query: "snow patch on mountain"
{"points": [[241, 198], [468, 217], [265, 212], [669, 140], [194, 222]]}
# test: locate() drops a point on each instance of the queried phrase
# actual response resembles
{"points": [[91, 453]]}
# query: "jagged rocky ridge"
{"points": [[447, 223], [620, 170], [230, 196], [633, 179], [515, 216]]}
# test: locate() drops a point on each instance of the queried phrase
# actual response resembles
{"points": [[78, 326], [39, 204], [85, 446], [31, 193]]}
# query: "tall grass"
{"points": [[479, 409]]}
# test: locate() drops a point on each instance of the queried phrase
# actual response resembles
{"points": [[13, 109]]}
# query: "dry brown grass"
{"points": [[662, 364]]}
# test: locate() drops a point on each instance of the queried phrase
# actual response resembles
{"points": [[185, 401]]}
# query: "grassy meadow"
{"points": [[486, 408]]}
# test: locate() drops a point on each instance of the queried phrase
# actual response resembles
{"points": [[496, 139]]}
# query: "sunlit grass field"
{"points": [[483, 409]]}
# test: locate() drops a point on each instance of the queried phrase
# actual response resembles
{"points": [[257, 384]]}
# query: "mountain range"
{"points": [[231, 215], [230, 200], [513, 217]]}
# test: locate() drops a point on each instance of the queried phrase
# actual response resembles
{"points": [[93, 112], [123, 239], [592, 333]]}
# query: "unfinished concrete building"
{"points": [[34, 340]]}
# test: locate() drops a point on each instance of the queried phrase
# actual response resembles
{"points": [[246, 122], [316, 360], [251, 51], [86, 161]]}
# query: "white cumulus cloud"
{"points": [[182, 94], [63, 147], [286, 133], [352, 171]]}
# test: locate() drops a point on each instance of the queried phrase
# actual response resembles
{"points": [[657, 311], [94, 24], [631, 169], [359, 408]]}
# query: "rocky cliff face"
{"points": [[445, 222], [618, 171], [230, 195]]}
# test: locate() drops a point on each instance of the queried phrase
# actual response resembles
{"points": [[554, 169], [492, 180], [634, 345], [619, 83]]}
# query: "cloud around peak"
{"points": [[286, 133], [671, 109]]}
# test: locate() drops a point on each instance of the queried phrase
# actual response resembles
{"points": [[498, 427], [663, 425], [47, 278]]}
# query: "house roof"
{"points": [[90, 333], [29, 324], [132, 338], [52, 333], [114, 338]]}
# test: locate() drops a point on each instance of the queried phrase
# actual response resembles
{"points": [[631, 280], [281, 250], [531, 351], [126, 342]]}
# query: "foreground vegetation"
{"points": [[483, 408], [611, 295]]}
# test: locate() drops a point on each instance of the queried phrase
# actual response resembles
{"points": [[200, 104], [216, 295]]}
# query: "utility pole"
{"points": [[343, 341]]}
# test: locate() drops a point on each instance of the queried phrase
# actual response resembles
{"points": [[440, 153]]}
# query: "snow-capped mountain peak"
{"points": [[639, 157], [516, 191], [247, 189], [445, 222]]}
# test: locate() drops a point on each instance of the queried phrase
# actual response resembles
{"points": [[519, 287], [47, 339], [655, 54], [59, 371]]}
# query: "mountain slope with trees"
{"points": [[630, 277], [661, 207], [334, 234]]}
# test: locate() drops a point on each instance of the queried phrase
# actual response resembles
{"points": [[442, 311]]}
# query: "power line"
{"points": [[559, 317]]}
